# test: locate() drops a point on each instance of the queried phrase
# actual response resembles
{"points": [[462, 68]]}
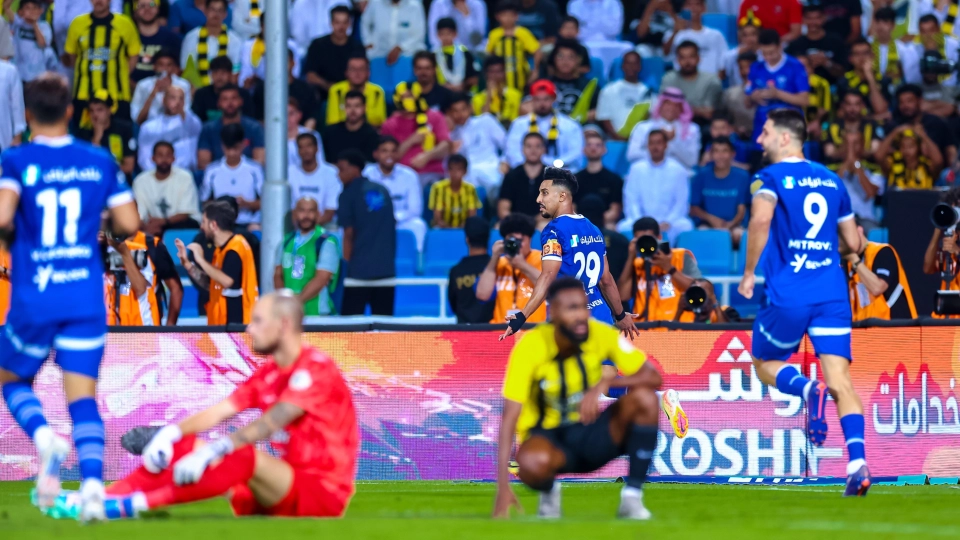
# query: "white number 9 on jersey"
{"points": [[818, 218], [589, 264]]}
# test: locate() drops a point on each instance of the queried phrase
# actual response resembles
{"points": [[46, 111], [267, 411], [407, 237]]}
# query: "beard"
{"points": [[306, 224], [574, 337], [164, 169], [266, 348]]}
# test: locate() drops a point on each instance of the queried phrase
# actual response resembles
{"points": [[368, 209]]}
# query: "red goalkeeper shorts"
{"points": [[308, 497]]}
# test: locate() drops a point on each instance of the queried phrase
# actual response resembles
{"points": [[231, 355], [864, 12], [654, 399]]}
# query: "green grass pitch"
{"points": [[450, 511]]}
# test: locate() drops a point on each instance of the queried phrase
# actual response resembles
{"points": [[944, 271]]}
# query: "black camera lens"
{"points": [[511, 246], [696, 298], [944, 216], [647, 246]]}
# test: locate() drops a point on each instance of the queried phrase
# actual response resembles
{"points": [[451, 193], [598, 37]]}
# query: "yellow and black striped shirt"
{"points": [[103, 47], [516, 50], [820, 98], [455, 206], [374, 95]]}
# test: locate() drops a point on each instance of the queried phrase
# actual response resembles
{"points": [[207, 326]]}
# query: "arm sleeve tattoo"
{"points": [[275, 419]]}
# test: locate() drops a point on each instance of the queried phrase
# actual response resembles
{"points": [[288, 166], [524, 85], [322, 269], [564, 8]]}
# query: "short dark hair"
{"points": [[859, 40], [359, 56], [457, 97], [447, 23], [162, 144], [517, 223], [221, 63], [309, 136], [224, 2], [221, 213], [562, 178], [291, 100], [477, 231], [507, 5], [647, 224], [354, 157], [930, 17], [537, 136], [341, 9], [790, 120], [355, 94], [570, 19], [34, 2], [747, 57], [687, 44], [769, 37], [887, 14], [659, 132], [230, 87], [230, 201], [909, 88], [812, 7], [231, 135], [162, 53], [570, 44], [722, 141], [457, 159], [47, 99], [493, 61], [387, 139], [562, 284], [722, 116], [425, 55]]}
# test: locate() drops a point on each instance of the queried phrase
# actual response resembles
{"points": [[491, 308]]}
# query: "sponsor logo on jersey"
{"points": [[47, 274], [552, 248], [816, 182], [573, 241], [789, 182], [60, 253], [87, 174], [31, 175], [587, 240], [800, 261]]}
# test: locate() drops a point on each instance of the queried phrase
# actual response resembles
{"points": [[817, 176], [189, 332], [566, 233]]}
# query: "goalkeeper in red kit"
{"points": [[308, 416]]}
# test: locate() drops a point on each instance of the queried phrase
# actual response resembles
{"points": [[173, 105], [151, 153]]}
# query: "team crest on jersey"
{"points": [[300, 380], [552, 247], [755, 186], [31, 175], [573, 241], [789, 182]]}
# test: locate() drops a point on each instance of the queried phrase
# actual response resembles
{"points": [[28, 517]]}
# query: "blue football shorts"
{"points": [[779, 330], [25, 345]]}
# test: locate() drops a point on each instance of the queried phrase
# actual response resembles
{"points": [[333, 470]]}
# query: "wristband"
{"points": [[621, 316], [517, 323], [672, 271]]}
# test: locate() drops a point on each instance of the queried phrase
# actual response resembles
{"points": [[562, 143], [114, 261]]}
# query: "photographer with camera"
{"points": [[657, 275], [513, 270], [939, 98], [136, 269], [878, 284], [942, 255], [699, 305]]}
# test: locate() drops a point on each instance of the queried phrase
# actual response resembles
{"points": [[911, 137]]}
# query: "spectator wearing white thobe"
{"points": [[658, 187], [389, 24]]}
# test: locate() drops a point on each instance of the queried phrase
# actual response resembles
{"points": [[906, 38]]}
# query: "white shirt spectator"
{"points": [[30, 59], [471, 28], [659, 190], [862, 205], [685, 146], [245, 180], [322, 185], [403, 183], [731, 68], [310, 19], [182, 133], [482, 141], [242, 22], [713, 47], [177, 194], [247, 69], [385, 25], [12, 119], [909, 60], [142, 92], [65, 11], [600, 20], [618, 98], [569, 145], [190, 41], [293, 153]]}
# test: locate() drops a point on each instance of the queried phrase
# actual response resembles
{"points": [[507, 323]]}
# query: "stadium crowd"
{"points": [[408, 119]]}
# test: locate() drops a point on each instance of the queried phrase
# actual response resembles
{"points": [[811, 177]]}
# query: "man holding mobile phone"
{"points": [[657, 276]]}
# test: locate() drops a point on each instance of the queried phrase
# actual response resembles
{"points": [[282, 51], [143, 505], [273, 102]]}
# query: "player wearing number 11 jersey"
{"points": [[798, 209], [52, 193]]}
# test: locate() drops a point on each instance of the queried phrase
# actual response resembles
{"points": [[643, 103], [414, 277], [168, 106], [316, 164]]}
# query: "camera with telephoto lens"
{"points": [[696, 298], [933, 63], [946, 217], [648, 245], [511, 246]]}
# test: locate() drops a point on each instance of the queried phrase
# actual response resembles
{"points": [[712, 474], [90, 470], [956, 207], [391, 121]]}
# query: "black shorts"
{"points": [[586, 447]]}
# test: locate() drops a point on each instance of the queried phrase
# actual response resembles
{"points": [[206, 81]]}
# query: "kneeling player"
{"points": [[551, 394], [308, 416]]}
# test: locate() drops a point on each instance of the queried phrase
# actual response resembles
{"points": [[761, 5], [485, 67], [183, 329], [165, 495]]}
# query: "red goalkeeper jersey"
{"points": [[323, 441]]}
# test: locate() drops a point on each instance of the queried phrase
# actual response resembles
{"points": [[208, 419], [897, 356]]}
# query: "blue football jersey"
{"points": [[801, 261], [579, 246], [789, 76], [56, 263]]}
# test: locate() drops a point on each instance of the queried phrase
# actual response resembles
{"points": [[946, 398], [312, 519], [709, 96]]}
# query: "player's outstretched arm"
{"points": [[547, 276], [761, 214], [611, 293], [158, 452], [506, 498], [9, 199]]}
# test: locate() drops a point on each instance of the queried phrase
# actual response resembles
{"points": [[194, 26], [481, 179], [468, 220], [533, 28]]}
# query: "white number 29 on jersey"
{"points": [[815, 218], [589, 264]]}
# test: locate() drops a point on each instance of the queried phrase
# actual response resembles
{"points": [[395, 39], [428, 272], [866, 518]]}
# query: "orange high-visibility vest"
{"points": [[249, 290], [865, 306]]}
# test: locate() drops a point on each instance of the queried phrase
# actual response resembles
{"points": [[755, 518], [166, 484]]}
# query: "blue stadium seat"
{"points": [[258, 235], [494, 236], [408, 258], [380, 74], [417, 301], [879, 235], [444, 248], [616, 158], [535, 241], [400, 72], [189, 306], [186, 236], [596, 72], [482, 195], [747, 308], [726, 24], [711, 248], [741, 257]]}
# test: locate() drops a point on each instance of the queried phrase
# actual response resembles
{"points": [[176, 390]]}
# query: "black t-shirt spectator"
{"points": [[367, 208], [581, 51], [838, 14], [233, 268], [937, 129], [438, 97], [205, 103], [886, 268], [617, 248], [569, 92], [660, 22], [329, 60], [542, 18], [605, 183], [831, 45], [462, 291], [151, 45], [117, 139], [337, 138], [521, 191], [301, 91]]}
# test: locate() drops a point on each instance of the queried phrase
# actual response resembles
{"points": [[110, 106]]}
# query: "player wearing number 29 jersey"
{"points": [[578, 245]]}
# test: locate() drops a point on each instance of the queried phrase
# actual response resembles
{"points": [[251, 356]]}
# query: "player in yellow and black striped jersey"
{"points": [[551, 396], [103, 49]]}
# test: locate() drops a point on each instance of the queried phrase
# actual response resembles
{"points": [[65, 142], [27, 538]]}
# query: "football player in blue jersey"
{"points": [[575, 247], [52, 193], [799, 207]]}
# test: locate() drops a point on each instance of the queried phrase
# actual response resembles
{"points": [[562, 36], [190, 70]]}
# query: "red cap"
{"points": [[541, 86]]}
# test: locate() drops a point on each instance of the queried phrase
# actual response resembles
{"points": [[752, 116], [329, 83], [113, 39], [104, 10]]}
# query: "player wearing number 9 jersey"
{"points": [[798, 209], [52, 193]]}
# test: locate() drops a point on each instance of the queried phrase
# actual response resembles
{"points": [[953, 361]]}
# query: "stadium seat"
{"points": [[186, 236], [482, 195], [878, 235], [711, 248], [400, 72], [444, 248], [651, 72], [741, 257], [408, 258], [596, 72], [189, 307], [535, 241], [494, 237], [616, 158], [387, 76], [417, 301], [258, 235], [746, 308], [726, 24]]}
